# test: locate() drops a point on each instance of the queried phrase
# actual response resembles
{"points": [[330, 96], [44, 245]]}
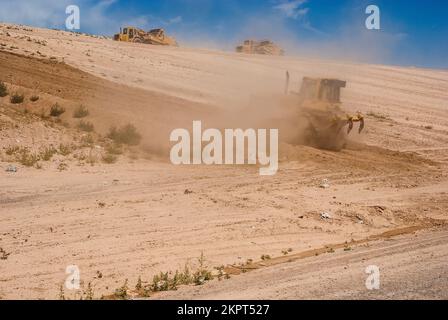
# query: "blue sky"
{"points": [[413, 32]]}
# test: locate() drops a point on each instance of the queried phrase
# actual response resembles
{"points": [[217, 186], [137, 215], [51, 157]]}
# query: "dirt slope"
{"points": [[139, 217], [411, 267]]}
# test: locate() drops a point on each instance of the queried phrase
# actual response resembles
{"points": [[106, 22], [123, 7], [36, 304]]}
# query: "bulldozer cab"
{"points": [[126, 34], [323, 90]]}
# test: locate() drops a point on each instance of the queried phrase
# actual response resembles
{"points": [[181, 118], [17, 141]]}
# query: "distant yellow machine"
{"points": [[265, 47], [154, 36], [320, 104]]}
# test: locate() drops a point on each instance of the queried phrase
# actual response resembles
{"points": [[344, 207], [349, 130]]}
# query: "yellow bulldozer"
{"points": [[154, 36], [319, 106], [265, 47]]}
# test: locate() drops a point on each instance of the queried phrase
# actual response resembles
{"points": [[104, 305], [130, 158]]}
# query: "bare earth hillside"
{"points": [[68, 203]]}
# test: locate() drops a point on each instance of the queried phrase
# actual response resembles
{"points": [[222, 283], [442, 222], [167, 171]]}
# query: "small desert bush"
{"points": [[12, 150], [27, 158], [122, 292], [56, 110], [80, 112], [85, 126], [65, 149], [3, 89], [125, 135], [202, 274], [88, 294], [47, 153], [167, 281], [87, 141], [17, 98], [34, 98]]}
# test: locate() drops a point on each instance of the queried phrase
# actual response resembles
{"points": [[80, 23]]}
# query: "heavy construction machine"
{"points": [[265, 47], [319, 105], [154, 36]]}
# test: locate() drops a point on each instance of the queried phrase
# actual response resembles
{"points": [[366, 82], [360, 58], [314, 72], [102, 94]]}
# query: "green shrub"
{"points": [[28, 159], [12, 150], [3, 89], [122, 292], [80, 112], [125, 135], [56, 110], [47, 153], [64, 149], [85, 126], [17, 98]]}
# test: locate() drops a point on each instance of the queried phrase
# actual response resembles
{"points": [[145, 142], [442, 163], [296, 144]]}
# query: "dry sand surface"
{"points": [[142, 215]]}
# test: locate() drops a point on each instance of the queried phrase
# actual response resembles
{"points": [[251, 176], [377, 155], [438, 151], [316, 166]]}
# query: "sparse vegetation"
{"points": [[12, 150], [47, 153], [62, 166], [85, 126], [139, 285], [202, 274], [61, 292], [166, 281], [87, 140], [89, 292], [265, 257], [17, 98], [56, 110], [3, 89], [65, 149], [122, 292], [26, 158], [125, 135], [34, 98], [80, 112]]}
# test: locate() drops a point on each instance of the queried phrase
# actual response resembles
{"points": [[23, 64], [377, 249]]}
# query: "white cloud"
{"points": [[292, 9], [175, 20], [43, 13], [96, 16]]}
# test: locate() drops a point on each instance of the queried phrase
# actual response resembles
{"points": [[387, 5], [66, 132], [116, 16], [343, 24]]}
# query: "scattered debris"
{"points": [[101, 204], [3, 254], [325, 184], [11, 168], [380, 209], [325, 215]]}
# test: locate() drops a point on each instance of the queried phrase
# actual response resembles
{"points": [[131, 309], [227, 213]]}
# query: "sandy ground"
{"points": [[410, 267], [134, 219]]}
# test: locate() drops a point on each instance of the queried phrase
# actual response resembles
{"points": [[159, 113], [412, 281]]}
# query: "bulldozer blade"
{"points": [[350, 126], [361, 126]]}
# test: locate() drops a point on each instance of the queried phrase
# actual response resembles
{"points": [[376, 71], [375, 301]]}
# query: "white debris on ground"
{"points": [[325, 215], [325, 184]]}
